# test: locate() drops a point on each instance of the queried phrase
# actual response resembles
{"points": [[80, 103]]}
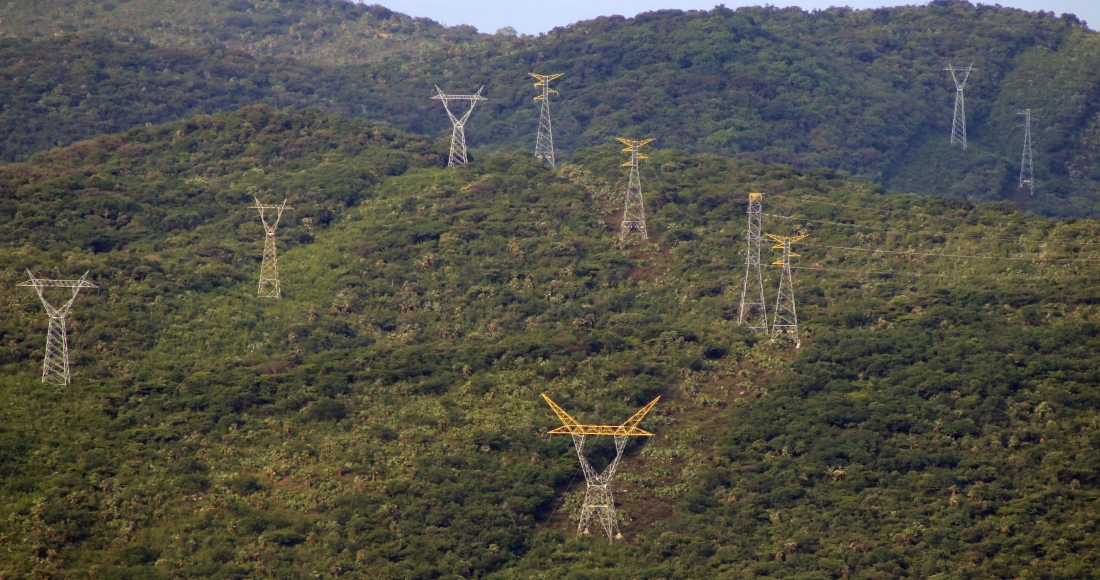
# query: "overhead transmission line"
{"points": [[887, 229], [966, 256]]}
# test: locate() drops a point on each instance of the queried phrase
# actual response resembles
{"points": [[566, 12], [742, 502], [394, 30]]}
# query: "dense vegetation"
{"points": [[321, 31], [71, 88], [383, 418], [858, 91]]}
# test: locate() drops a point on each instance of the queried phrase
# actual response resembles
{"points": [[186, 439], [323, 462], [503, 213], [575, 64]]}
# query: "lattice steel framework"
{"points": [[633, 207], [55, 365], [269, 267], [753, 310], [598, 500], [544, 142], [958, 121], [1027, 170], [786, 316], [458, 133]]}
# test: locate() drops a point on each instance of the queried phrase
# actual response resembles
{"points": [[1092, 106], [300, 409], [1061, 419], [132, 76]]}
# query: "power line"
{"points": [[966, 256]]}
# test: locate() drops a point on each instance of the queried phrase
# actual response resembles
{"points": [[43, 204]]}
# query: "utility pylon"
{"points": [[598, 500], [958, 121], [633, 208], [458, 133], [269, 268], [1027, 171], [753, 311], [786, 317], [544, 143], [55, 365]]}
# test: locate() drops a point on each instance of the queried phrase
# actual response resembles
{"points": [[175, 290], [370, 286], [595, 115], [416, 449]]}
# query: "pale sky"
{"points": [[537, 16]]}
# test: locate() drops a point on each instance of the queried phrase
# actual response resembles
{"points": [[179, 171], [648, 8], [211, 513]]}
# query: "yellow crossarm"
{"points": [[780, 239], [544, 81], [565, 418], [637, 417], [628, 429], [631, 144]]}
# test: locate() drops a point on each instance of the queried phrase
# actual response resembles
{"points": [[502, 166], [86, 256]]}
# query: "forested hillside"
{"points": [[383, 418], [67, 89], [862, 92], [321, 31]]}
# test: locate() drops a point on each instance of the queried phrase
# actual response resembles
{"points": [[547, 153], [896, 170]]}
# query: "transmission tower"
{"points": [[269, 268], [598, 501], [458, 134], [1027, 171], [544, 143], [633, 208], [55, 366], [958, 122], [753, 311], [786, 318]]}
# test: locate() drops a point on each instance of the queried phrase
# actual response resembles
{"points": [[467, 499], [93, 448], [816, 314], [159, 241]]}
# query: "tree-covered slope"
{"points": [[383, 418], [860, 91], [321, 31], [71, 88]]}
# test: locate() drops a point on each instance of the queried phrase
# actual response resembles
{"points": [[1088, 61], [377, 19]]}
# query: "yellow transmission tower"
{"points": [[786, 317], [633, 208], [598, 501], [544, 143]]}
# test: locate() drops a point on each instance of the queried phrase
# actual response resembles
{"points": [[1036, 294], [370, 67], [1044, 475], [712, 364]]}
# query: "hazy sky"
{"points": [[533, 17]]}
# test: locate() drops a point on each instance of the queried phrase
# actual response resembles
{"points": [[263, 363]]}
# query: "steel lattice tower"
{"points": [[598, 500], [599, 503], [753, 310], [786, 317], [269, 268], [544, 143], [458, 133], [55, 365], [1027, 170], [958, 121], [633, 207]]}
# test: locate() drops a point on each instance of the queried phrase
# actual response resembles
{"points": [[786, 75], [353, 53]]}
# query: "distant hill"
{"points": [[327, 31], [74, 87], [861, 92]]}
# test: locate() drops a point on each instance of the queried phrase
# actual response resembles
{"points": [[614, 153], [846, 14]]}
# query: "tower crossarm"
{"points": [[632, 147], [966, 70], [629, 428], [278, 209], [266, 206], [565, 418], [40, 283], [441, 96], [782, 240], [612, 430], [636, 418], [544, 83]]}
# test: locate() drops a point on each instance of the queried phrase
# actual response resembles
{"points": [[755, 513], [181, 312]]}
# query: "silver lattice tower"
{"points": [[598, 501], [269, 268], [753, 312], [55, 366], [958, 122], [458, 134], [786, 317], [633, 207], [544, 143], [1027, 170]]}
